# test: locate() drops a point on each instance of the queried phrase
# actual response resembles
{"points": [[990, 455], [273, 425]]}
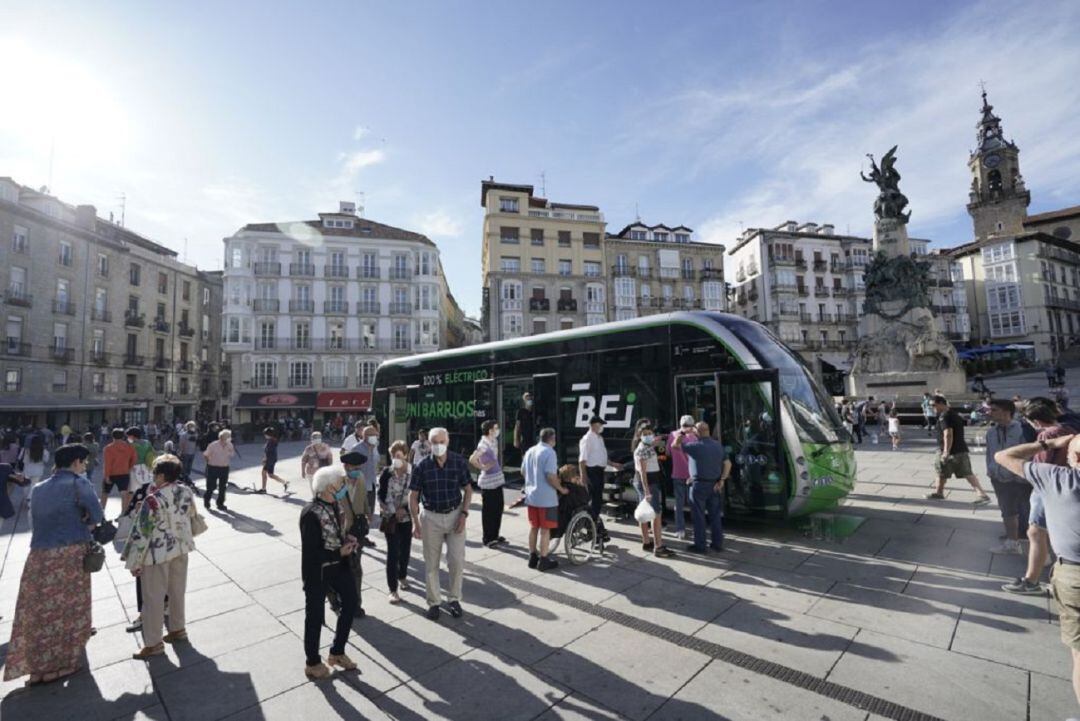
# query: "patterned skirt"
{"points": [[52, 614]]}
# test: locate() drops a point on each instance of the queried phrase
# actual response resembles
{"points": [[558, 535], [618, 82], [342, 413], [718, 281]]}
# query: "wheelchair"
{"points": [[577, 530]]}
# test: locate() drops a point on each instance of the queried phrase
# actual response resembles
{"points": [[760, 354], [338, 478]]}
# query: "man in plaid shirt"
{"points": [[443, 485]]}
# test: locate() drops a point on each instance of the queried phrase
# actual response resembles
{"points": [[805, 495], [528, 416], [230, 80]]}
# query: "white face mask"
{"points": [[398, 464], [496, 432], [600, 431], [647, 440], [373, 440], [528, 404], [439, 449]]}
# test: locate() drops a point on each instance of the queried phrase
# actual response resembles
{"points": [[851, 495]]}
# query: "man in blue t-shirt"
{"points": [[540, 466], [709, 470], [1059, 487]]}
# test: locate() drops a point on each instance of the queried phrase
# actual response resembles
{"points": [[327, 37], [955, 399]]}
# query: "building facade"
{"points": [[659, 269], [542, 263], [805, 282], [102, 324], [1024, 270], [312, 307]]}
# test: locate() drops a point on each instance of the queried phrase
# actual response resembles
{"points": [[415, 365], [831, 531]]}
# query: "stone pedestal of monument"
{"points": [[900, 352]]}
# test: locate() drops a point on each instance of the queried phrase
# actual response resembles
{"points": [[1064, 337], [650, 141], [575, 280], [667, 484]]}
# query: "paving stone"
{"points": [[531, 629], [329, 699], [213, 601], [282, 598], [726, 692], [590, 583], [858, 570], [977, 593], [911, 673], [578, 708], [218, 635], [110, 692], [809, 644], [1035, 645], [623, 669], [411, 646], [912, 618], [782, 589], [108, 611], [759, 553], [672, 604], [509, 691], [110, 645], [1052, 699]]}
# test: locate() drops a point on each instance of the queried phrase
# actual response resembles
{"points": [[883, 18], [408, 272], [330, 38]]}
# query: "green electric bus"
{"points": [[789, 450]]}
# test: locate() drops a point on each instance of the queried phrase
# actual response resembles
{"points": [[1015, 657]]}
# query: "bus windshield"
{"points": [[815, 417]]}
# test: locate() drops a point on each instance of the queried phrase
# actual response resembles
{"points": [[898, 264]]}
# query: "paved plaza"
{"points": [[904, 619]]}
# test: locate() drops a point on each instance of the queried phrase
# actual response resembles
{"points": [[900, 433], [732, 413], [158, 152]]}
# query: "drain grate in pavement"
{"points": [[800, 679]]}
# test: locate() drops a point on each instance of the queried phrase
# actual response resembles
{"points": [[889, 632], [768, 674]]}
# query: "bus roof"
{"points": [[702, 319]]}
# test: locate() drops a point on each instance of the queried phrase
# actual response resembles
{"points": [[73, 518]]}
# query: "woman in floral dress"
{"points": [[52, 614], [157, 553], [317, 455]]}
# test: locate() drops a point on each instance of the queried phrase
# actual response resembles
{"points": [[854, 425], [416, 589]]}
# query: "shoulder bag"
{"points": [[94, 558]]}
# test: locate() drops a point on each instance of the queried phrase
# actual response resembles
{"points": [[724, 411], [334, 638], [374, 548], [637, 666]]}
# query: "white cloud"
{"points": [[797, 133], [439, 224], [360, 132], [352, 163]]}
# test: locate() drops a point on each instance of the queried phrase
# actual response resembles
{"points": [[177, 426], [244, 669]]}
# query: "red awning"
{"points": [[344, 401]]}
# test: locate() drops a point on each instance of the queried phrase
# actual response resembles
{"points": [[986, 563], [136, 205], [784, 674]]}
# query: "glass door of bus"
{"points": [[510, 410], [747, 421], [398, 414]]}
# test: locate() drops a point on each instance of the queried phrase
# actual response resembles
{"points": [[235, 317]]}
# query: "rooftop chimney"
{"points": [[86, 217]]}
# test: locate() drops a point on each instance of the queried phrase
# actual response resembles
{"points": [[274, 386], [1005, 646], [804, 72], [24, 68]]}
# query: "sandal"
{"points": [[663, 552], [149, 651]]}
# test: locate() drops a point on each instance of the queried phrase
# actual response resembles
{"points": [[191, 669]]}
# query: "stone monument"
{"points": [[900, 350]]}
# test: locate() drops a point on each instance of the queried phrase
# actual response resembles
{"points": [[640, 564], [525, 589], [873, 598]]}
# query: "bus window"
{"points": [[517, 421], [749, 430]]}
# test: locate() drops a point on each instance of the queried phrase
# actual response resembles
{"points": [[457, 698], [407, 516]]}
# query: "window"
{"points": [[688, 292], [712, 295], [336, 373], [423, 264], [59, 381], [62, 291], [265, 375], [97, 344], [337, 259], [98, 382], [206, 296], [369, 265], [539, 292], [508, 205], [103, 265], [401, 336], [646, 292], [592, 269], [998, 252], [12, 379], [682, 237], [427, 333], [660, 236], [300, 374], [303, 294], [511, 264], [338, 223], [643, 266], [185, 290], [539, 325], [368, 334], [537, 236], [538, 265], [564, 238], [60, 333], [512, 323], [302, 335], [14, 335], [101, 302], [566, 324], [66, 253], [267, 335], [237, 258], [423, 298], [591, 240], [367, 373], [20, 240], [508, 234], [17, 281], [639, 235], [624, 292], [160, 312], [135, 274], [566, 267], [131, 383], [162, 283], [336, 336]]}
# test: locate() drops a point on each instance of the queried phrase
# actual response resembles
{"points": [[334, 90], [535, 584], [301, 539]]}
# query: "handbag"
{"points": [[104, 532], [198, 524], [94, 559], [388, 524]]}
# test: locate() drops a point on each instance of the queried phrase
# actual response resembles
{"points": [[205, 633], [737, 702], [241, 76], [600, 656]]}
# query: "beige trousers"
{"points": [[435, 530], [158, 581]]}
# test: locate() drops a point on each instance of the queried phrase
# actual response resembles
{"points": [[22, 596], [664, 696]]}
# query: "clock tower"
{"points": [[998, 200]]}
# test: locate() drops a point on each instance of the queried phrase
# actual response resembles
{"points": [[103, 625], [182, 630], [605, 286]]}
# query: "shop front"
{"points": [[336, 407], [260, 409]]}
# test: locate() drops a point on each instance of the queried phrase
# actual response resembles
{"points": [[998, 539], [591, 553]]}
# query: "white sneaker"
{"points": [[681, 535], [1008, 547]]}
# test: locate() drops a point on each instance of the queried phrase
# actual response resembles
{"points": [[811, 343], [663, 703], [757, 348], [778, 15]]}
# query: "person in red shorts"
{"points": [[542, 488]]}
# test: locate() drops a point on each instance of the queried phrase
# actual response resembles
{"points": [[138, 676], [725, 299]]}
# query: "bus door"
{"points": [[484, 407], [747, 423], [546, 402], [399, 415], [509, 408]]}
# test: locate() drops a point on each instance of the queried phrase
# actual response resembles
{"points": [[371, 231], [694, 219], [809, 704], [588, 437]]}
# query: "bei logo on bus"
{"points": [[607, 407]]}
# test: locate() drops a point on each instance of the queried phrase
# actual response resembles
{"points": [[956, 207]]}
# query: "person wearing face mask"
{"points": [[525, 424], [542, 489], [680, 472], [395, 522], [371, 467], [490, 480], [443, 485], [647, 485], [593, 460], [355, 515], [325, 547]]}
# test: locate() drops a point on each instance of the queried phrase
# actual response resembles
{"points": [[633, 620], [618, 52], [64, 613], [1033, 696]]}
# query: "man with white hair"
{"points": [[1059, 487], [442, 484], [217, 455]]}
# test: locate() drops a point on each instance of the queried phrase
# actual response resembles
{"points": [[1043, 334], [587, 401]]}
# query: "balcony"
{"points": [[956, 335], [821, 291], [98, 357], [206, 367], [162, 363], [595, 306], [567, 215], [782, 288], [18, 296], [335, 271], [941, 282], [943, 309], [800, 263], [61, 354], [367, 272], [335, 382], [838, 267], [302, 270], [335, 307], [400, 345], [400, 308], [820, 265], [266, 343], [400, 273], [369, 307], [300, 343], [134, 360], [161, 325], [782, 261], [712, 274], [825, 318], [510, 303], [63, 307], [15, 347], [687, 274], [185, 330], [301, 306], [1066, 303], [185, 366], [623, 271], [100, 315], [644, 273], [266, 305], [568, 305], [842, 292], [299, 382], [802, 290], [264, 383], [60, 387], [806, 318], [267, 268], [539, 304], [788, 314]]}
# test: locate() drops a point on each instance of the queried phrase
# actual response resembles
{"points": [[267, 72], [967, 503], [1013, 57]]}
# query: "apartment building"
{"points": [[312, 307], [542, 263], [658, 269], [805, 282], [101, 323]]}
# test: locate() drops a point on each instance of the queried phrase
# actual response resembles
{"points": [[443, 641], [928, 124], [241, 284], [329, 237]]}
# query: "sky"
{"points": [[716, 115]]}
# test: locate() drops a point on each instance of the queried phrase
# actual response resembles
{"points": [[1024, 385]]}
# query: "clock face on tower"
{"points": [[992, 160]]}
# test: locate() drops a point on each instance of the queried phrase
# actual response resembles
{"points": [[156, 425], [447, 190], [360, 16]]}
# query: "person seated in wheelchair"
{"points": [[575, 499]]}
